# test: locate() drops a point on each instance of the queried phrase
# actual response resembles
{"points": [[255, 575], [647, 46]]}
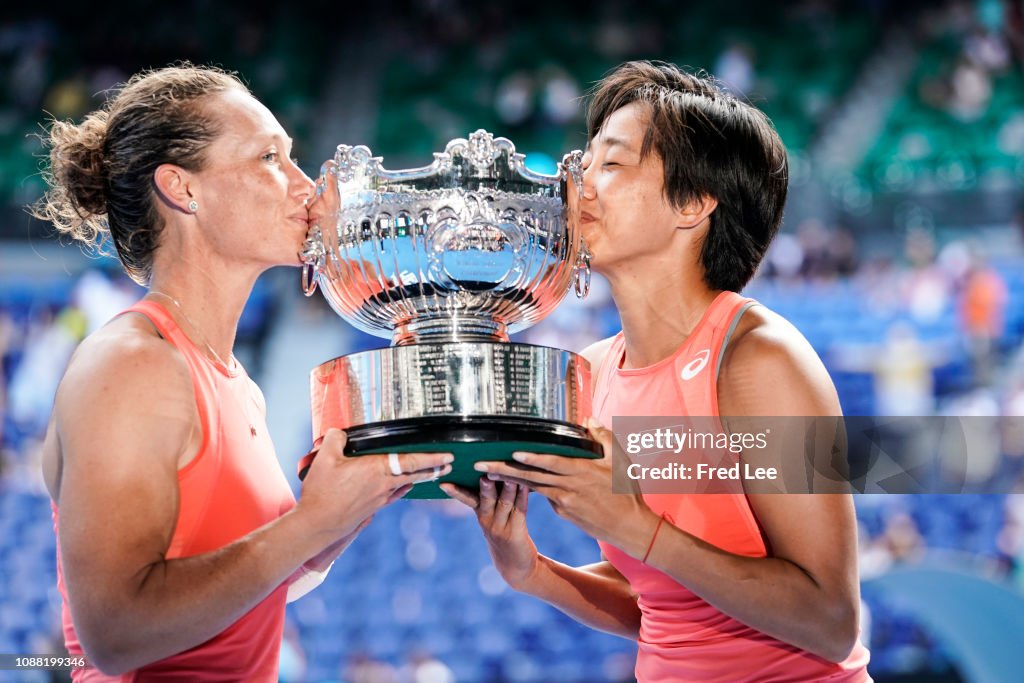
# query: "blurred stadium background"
{"points": [[900, 259]]}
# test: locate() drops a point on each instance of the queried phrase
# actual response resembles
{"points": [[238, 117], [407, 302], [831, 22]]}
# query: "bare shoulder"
{"points": [[124, 356], [596, 352], [126, 392], [770, 368]]}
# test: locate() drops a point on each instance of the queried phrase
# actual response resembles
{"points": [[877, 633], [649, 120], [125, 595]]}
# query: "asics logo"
{"points": [[691, 369]]}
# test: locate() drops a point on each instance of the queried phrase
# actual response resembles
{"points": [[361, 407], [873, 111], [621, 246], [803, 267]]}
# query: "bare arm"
{"points": [[125, 422], [596, 595]]}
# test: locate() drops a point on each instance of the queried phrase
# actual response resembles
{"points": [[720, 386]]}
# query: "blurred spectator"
{"points": [[982, 316], [899, 541], [514, 99], [903, 373], [988, 50], [827, 253], [926, 288], [1010, 540], [735, 68], [421, 667], [292, 665], [785, 258], [69, 98], [974, 462], [101, 294], [559, 96], [34, 382], [970, 89], [362, 668], [815, 253], [902, 539]]}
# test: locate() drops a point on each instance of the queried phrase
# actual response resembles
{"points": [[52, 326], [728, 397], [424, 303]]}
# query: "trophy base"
{"points": [[471, 439]]}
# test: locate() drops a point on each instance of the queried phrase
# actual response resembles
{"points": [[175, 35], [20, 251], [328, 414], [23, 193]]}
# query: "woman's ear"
{"points": [[695, 211], [172, 185]]}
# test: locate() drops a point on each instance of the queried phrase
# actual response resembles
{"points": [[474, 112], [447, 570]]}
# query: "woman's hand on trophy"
{"points": [[340, 493], [580, 490], [501, 511]]}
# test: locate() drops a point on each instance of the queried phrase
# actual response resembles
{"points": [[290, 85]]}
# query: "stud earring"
{"points": [[193, 206]]}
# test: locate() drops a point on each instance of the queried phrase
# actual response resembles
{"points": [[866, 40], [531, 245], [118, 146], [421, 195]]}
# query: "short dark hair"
{"points": [[101, 170], [712, 144]]}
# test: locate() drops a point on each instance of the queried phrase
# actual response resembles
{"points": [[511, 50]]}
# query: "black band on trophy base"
{"points": [[471, 439], [478, 430]]}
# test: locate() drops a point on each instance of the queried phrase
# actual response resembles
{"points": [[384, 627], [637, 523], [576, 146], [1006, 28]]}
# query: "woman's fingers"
{"points": [[333, 442], [488, 501], [464, 496], [398, 493], [513, 471], [602, 435], [416, 463], [522, 499], [413, 468], [505, 504], [431, 474]]}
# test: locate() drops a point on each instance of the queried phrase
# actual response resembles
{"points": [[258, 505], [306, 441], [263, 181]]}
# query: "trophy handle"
{"points": [[582, 279], [309, 278], [313, 256]]}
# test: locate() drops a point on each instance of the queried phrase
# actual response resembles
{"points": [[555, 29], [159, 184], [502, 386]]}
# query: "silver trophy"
{"points": [[446, 261]]}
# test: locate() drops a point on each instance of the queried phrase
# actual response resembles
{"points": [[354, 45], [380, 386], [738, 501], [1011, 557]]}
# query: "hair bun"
{"points": [[77, 200]]}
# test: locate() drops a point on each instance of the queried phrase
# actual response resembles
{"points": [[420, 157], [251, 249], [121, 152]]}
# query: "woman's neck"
{"points": [[658, 310], [210, 306]]}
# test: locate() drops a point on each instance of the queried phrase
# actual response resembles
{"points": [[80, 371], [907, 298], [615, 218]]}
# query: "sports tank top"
{"points": [[233, 486], [682, 637]]}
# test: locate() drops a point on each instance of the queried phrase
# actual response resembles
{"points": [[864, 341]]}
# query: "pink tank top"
{"points": [[233, 486], [682, 637]]}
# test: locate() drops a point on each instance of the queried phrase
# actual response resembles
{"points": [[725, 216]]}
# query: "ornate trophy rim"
{"points": [[476, 196], [481, 149]]}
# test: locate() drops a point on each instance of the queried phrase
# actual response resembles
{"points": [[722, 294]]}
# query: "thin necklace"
{"points": [[195, 328], [216, 356]]}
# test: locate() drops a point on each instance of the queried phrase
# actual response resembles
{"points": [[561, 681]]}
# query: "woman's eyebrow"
{"points": [[611, 142]]}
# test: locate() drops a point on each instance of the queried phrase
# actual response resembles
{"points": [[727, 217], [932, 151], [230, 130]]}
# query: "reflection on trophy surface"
{"points": [[446, 261]]}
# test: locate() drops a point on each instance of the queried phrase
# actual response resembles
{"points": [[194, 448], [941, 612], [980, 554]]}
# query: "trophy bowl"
{"points": [[446, 261]]}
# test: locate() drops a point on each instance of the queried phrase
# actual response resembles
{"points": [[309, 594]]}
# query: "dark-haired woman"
{"points": [[683, 191], [179, 539]]}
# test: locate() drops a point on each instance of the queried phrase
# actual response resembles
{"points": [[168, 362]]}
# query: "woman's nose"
{"points": [[307, 187], [589, 191]]}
